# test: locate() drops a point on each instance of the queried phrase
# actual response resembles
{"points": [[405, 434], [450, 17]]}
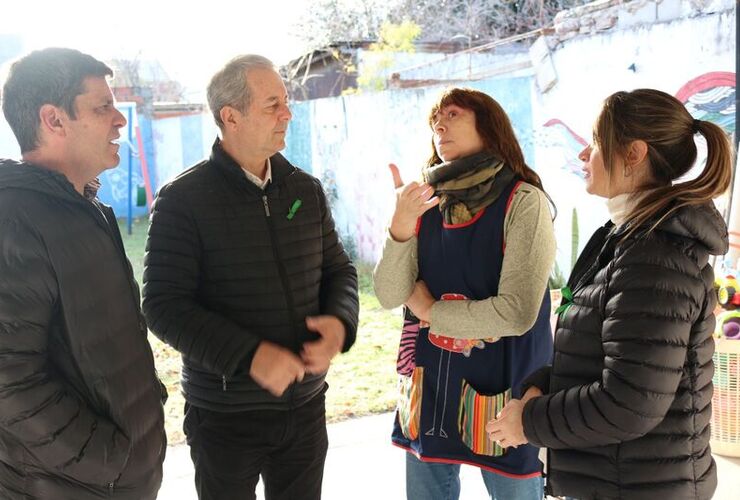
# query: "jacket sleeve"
{"points": [[539, 378], [653, 298], [171, 277], [338, 294], [37, 407]]}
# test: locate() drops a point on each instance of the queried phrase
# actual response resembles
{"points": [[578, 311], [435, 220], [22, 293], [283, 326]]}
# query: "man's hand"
{"points": [[421, 302], [412, 200], [507, 428], [274, 368], [317, 355]]}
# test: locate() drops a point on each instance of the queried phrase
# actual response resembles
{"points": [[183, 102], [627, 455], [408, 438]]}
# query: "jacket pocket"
{"points": [[476, 410], [409, 403]]}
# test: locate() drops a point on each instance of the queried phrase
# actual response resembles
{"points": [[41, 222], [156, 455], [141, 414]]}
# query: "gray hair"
{"points": [[50, 76], [229, 87]]}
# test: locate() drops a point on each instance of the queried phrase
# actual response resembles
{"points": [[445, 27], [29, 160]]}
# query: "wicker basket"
{"points": [[726, 398]]}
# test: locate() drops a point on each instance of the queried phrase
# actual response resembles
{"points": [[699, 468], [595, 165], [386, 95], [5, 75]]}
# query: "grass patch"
{"points": [[361, 382]]}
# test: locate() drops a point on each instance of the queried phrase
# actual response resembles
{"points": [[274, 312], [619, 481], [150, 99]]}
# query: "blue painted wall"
{"points": [[191, 132], [348, 141], [114, 190], [298, 143]]}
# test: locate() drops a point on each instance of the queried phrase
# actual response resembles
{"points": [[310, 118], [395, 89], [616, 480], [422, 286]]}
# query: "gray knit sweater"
{"points": [[529, 256]]}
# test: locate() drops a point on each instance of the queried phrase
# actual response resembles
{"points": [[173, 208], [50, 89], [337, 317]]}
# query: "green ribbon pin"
{"points": [[294, 208], [566, 302]]}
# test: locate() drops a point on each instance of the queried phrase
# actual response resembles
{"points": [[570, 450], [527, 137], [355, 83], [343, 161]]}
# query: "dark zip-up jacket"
{"points": [[628, 402], [226, 267], [80, 403]]}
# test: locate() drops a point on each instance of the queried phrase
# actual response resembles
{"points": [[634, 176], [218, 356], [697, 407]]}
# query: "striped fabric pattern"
{"points": [[476, 410], [409, 403], [407, 348]]}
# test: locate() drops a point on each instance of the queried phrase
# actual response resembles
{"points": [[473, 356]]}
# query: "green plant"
{"points": [[556, 279], [393, 38]]}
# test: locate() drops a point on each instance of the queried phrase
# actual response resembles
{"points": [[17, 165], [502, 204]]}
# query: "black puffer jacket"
{"points": [[226, 268], [80, 403], [629, 394]]}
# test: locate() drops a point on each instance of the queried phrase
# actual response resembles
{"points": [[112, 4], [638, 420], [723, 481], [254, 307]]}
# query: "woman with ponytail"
{"points": [[625, 407], [469, 251]]}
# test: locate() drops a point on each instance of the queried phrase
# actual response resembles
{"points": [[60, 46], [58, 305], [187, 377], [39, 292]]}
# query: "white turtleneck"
{"points": [[622, 205]]}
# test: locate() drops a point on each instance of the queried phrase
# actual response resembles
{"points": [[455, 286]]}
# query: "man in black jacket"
{"points": [[246, 277], [80, 403]]}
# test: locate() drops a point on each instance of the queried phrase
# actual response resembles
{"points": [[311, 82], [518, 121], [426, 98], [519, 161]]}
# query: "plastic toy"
{"points": [[727, 292], [728, 325]]}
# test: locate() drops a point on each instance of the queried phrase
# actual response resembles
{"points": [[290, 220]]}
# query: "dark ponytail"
{"points": [[664, 124]]}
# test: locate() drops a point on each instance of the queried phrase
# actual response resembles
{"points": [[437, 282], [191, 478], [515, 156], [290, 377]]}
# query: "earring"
{"points": [[627, 171]]}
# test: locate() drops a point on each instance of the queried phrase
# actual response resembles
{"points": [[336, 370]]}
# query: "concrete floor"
{"points": [[362, 461]]}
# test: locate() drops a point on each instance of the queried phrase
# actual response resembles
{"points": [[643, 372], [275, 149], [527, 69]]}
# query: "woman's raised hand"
{"points": [[412, 200]]}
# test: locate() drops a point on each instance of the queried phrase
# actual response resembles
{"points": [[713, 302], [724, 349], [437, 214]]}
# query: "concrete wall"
{"points": [[685, 47], [669, 45], [114, 189], [351, 140], [180, 142]]}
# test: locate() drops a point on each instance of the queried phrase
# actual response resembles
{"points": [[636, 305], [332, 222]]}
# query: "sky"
{"points": [[190, 39]]}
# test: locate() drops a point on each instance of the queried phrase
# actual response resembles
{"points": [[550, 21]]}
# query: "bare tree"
{"points": [[480, 21], [328, 21], [472, 22]]}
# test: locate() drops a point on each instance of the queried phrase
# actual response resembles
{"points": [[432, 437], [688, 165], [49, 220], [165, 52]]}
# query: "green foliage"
{"points": [[556, 280], [397, 37], [392, 38]]}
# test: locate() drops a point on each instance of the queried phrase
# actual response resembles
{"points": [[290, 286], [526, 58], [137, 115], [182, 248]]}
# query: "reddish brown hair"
{"points": [[493, 126]]}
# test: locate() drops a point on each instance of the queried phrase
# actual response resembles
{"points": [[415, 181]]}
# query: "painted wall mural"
{"points": [[350, 140], [711, 97], [571, 143]]}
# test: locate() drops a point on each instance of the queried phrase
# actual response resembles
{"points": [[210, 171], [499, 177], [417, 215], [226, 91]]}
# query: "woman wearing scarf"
{"points": [[628, 399], [469, 252]]}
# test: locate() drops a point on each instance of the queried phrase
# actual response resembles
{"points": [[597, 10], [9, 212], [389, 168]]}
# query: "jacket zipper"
{"points": [[593, 268], [128, 271], [281, 270], [267, 213], [111, 487]]}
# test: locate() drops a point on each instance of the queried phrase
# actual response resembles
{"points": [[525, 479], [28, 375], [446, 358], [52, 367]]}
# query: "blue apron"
{"points": [[452, 387]]}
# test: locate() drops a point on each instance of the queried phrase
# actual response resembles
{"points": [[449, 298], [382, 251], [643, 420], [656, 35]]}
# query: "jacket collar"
{"points": [[281, 168], [33, 177]]}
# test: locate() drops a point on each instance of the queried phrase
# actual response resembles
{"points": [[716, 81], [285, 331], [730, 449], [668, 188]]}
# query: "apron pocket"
{"points": [[409, 403], [476, 410]]}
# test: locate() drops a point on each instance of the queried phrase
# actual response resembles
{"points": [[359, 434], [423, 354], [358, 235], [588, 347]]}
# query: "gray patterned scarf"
{"points": [[467, 185]]}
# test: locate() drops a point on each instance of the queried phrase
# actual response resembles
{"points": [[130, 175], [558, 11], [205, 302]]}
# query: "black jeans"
{"points": [[231, 450]]}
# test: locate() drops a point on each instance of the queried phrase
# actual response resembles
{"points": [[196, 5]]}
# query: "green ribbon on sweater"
{"points": [[566, 301]]}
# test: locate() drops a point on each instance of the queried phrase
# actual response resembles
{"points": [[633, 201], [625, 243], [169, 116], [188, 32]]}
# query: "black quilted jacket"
{"points": [[628, 402], [80, 404], [226, 268]]}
